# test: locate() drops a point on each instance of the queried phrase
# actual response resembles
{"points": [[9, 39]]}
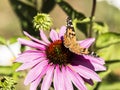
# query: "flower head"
{"points": [[52, 62]]}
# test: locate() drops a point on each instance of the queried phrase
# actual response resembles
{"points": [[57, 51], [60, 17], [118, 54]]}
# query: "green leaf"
{"points": [[5, 70], [106, 39], [82, 27], [100, 27], [25, 12], [2, 41], [47, 6], [111, 82], [13, 40], [111, 52], [69, 10]]}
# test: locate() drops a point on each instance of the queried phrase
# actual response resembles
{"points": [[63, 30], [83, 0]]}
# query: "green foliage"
{"points": [[110, 52], [2, 41], [100, 27], [70, 11], [107, 39], [25, 12], [47, 5]]}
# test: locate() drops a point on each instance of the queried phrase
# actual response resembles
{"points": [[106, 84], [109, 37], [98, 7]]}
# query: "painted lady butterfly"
{"points": [[71, 43]]}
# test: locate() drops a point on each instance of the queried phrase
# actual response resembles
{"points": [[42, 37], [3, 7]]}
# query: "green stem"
{"points": [[91, 18], [112, 62], [97, 86]]}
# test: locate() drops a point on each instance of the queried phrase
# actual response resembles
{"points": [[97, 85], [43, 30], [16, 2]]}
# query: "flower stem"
{"points": [[91, 18]]}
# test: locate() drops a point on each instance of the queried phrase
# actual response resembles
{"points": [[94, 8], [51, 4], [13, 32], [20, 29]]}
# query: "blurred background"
{"points": [[107, 11]]}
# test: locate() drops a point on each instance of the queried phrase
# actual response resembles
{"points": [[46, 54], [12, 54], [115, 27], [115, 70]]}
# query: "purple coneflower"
{"points": [[51, 63]]}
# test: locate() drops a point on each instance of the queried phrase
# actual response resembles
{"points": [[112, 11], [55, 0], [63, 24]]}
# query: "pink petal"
{"points": [[35, 39], [87, 42], [53, 35], [43, 37], [28, 57], [62, 31], [28, 65], [35, 72], [31, 44], [32, 52], [68, 83], [86, 72], [35, 83], [48, 79], [58, 79], [76, 79]]}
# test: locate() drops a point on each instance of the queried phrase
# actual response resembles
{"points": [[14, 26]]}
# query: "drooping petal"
{"points": [[43, 37], [35, 39], [62, 31], [96, 62], [76, 79], [58, 79], [35, 72], [28, 65], [48, 79], [31, 44], [28, 57], [94, 59], [86, 72], [68, 82], [95, 66], [87, 42], [53, 35], [79, 60]]}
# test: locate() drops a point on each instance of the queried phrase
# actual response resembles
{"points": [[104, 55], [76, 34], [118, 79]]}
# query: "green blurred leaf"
{"points": [[106, 39], [25, 12], [69, 10], [111, 52], [2, 41], [111, 82], [13, 40], [100, 27], [82, 27], [47, 6], [5, 70]]}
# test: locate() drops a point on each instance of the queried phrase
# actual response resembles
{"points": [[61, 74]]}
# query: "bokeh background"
{"points": [[107, 11]]}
